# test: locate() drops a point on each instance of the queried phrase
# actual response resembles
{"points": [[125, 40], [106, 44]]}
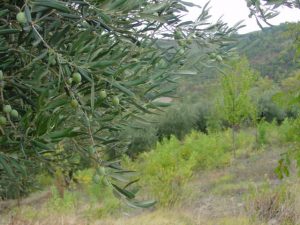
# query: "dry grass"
{"points": [[280, 204], [159, 217]]}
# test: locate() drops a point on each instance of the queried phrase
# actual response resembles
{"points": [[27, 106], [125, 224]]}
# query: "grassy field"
{"points": [[196, 181]]}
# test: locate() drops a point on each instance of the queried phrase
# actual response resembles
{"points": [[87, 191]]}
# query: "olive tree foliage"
{"points": [[264, 10], [74, 72]]}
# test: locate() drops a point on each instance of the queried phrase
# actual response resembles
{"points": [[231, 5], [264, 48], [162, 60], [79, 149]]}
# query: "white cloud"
{"points": [[236, 10]]}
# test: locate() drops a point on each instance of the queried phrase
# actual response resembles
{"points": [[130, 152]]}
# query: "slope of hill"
{"points": [[270, 51]]}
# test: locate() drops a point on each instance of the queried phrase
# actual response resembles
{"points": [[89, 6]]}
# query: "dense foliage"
{"points": [[74, 72]]}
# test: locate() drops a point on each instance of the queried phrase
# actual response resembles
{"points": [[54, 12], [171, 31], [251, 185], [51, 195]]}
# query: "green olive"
{"points": [[116, 101], [1, 75], [14, 113], [181, 42], [74, 103], [102, 94], [76, 78], [69, 81], [3, 120], [21, 17], [177, 35], [189, 41], [7, 109], [219, 58], [101, 170]]}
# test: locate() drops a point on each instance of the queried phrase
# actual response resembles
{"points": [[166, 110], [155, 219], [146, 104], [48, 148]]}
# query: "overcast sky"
{"points": [[236, 10]]}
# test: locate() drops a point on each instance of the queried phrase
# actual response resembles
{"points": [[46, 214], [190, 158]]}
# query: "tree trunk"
{"points": [[256, 138], [233, 141]]}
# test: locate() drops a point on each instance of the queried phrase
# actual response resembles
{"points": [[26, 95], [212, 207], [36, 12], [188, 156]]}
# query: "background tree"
{"points": [[236, 103]]}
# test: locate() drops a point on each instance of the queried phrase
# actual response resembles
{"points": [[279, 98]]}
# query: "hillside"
{"points": [[270, 51]]}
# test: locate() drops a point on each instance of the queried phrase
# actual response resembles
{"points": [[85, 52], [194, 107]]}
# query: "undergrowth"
{"points": [[167, 169]]}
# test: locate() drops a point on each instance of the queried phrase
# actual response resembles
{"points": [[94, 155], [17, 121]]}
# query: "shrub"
{"points": [[166, 169], [140, 137], [164, 172], [179, 120], [262, 133], [207, 151], [268, 109], [203, 113], [290, 130]]}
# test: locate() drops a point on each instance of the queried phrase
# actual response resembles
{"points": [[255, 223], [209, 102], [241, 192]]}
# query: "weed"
{"points": [[272, 204]]}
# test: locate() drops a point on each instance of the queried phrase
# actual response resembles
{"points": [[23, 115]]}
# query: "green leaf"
{"points": [[152, 17], [153, 8], [116, 4], [55, 103], [28, 14], [119, 177], [4, 12], [123, 89], [142, 204], [53, 4], [101, 64], [6, 166], [8, 31], [41, 56], [93, 96], [123, 192], [40, 145]]}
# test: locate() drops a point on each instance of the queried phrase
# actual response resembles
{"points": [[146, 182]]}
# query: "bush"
{"points": [[203, 115], [164, 172], [179, 120], [207, 151], [140, 137], [269, 110], [262, 133], [290, 130], [166, 169]]}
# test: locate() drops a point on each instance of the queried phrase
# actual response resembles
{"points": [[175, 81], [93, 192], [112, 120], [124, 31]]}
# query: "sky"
{"points": [[236, 10]]}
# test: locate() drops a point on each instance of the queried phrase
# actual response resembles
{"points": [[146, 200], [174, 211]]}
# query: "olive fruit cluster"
{"points": [[103, 95], [76, 78], [7, 109]]}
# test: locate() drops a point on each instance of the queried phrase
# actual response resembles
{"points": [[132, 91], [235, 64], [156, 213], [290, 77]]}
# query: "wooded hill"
{"points": [[270, 51]]}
